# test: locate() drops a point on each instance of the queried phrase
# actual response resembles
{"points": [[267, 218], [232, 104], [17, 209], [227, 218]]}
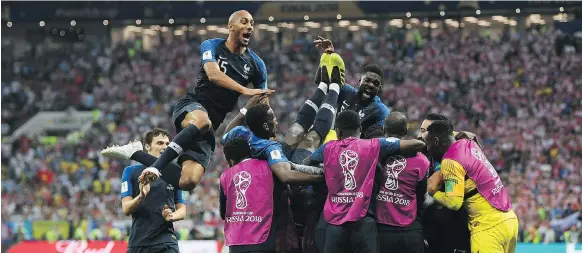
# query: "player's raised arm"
{"points": [[390, 146], [129, 203]]}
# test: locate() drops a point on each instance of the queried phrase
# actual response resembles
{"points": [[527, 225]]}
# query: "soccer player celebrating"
{"points": [[317, 120], [249, 196], [227, 67], [445, 230], [349, 170], [364, 99], [153, 206], [402, 183], [470, 178]]}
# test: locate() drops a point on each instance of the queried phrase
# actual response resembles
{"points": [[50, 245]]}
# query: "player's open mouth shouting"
{"points": [[246, 37]]}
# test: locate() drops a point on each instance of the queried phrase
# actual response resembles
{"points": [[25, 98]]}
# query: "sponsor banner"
{"points": [[209, 246], [546, 248], [70, 247]]}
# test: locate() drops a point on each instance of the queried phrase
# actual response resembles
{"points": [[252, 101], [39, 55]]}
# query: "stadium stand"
{"points": [[519, 94]]}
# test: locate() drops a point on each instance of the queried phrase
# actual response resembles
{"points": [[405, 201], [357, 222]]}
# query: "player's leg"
{"points": [[513, 230], [336, 239], [323, 120], [412, 241], [195, 161], [134, 151], [388, 241], [191, 122], [488, 241], [306, 116], [364, 236]]}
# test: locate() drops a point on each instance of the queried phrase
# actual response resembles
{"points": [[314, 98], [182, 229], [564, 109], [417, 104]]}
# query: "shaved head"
{"points": [[238, 14], [395, 124], [240, 26]]}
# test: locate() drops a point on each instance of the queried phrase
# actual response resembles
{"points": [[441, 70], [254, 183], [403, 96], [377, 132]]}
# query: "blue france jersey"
{"points": [[244, 69], [372, 114], [260, 148], [148, 226]]}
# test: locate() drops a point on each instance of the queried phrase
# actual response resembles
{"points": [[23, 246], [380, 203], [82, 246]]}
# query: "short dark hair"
{"points": [[348, 120], [374, 69], [436, 116], [149, 135], [374, 131], [256, 117], [440, 128], [236, 149], [396, 124]]}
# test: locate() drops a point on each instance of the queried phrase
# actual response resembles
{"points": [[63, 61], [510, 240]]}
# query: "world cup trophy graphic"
{"points": [[394, 165], [242, 181], [349, 163]]}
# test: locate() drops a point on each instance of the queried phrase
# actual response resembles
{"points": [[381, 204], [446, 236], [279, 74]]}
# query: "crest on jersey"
{"points": [[247, 69], [349, 162], [394, 166], [242, 182], [362, 114]]}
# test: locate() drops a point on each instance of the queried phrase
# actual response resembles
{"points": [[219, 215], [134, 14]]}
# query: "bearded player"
{"points": [[227, 67], [471, 181]]}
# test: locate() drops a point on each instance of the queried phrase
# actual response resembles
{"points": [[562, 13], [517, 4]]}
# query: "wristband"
{"points": [[243, 111]]}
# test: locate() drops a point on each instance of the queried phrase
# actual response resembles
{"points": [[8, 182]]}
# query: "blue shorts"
{"points": [[203, 149]]}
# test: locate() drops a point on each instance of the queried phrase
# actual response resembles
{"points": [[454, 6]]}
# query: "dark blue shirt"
{"points": [[260, 149], [373, 114], [388, 146], [243, 69], [149, 226]]}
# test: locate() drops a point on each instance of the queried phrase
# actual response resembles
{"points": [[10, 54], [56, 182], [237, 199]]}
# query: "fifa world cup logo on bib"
{"points": [[242, 181], [394, 166], [349, 163]]}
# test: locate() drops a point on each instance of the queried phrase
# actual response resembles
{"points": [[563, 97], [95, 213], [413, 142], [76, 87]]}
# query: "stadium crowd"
{"points": [[515, 91]]}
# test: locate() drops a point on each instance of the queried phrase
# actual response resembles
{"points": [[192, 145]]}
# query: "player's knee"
{"points": [[295, 135], [191, 174], [311, 141], [197, 118]]}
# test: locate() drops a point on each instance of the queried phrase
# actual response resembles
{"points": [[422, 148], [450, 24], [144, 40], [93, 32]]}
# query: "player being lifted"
{"points": [[364, 99], [227, 67]]}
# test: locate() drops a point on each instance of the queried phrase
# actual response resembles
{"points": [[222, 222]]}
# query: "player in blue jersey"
{"points": [[227, 67], [364, 100], [153, 206]]}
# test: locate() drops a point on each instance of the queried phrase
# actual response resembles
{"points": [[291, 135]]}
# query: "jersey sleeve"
{"points": [[453, 174], [350, 89], [317, 155], [274, 153], [126, 184], [208, 50], [389, 146], [260, 81], [383, 111], [180, 197]]}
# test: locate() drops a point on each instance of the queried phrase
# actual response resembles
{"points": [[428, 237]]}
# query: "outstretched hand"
{"points": [[256, 99], [252, 92], [324, 44]]}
